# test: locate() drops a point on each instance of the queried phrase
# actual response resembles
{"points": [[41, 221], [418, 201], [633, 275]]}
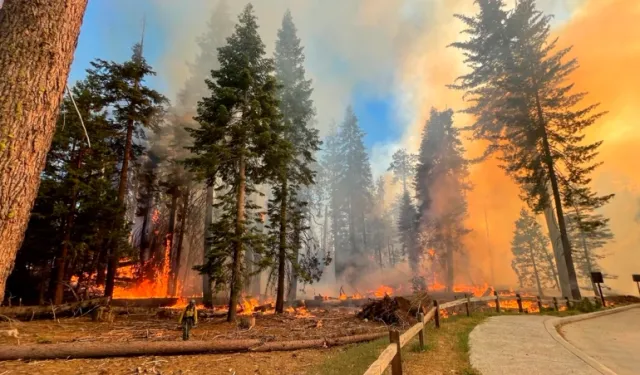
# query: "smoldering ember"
{"points": [[310, 187]]}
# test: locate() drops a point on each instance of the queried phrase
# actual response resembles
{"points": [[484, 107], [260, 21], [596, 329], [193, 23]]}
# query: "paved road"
{"points": [[613, 340], [511, 345]]}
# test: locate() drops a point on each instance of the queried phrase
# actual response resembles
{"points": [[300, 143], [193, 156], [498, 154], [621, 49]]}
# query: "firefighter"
{"points": [[188, 319]]}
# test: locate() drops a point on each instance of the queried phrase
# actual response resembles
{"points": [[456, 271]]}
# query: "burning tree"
{"points": [[441, 185], [134, 107], [532, 261]]}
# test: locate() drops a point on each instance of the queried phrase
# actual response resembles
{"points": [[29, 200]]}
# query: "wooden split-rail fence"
{"points": [[392, 354]]}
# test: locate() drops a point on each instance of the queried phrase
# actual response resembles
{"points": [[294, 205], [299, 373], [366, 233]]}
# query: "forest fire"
{"points": [[382, 291]]}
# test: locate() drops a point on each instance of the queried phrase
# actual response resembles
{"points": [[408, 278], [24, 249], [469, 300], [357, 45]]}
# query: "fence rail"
{"points": [[392, 354]]}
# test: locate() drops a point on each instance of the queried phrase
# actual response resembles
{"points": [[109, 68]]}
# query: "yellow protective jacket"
{"points": [[187, 312]]}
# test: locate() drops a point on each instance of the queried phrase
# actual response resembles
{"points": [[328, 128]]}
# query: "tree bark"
{"points": [[236, 271], [282, 247], [566, 245], [37, 41], [207, 298], [114, 256], [175, 266], [535, 270], [556, 246]]}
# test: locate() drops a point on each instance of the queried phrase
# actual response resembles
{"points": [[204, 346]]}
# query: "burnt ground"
{"points": [[150, 327], [147, 327]]}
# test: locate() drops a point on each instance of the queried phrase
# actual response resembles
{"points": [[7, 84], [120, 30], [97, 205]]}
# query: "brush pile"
{"points": [[399, 311]]}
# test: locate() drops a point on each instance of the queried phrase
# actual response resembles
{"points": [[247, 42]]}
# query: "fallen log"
{"points": [[53, 311], [159, 348]]}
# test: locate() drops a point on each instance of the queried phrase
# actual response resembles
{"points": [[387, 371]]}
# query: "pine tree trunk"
{"points": [[61, 259], [207, 298], [325, 229], [248, 264], [560, 269], [175, 266], [587, 257], [552, 267], [144, 237], [114, 256], [293, 286], [236, 270], [173, 208], [282, 246], [535, 270], [37, 43], [450, 269], [566, 246]]}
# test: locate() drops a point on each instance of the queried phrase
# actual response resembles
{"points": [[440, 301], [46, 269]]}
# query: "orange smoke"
{"points": [[606, 40]]}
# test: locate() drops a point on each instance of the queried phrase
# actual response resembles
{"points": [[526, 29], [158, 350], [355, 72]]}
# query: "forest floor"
{"points": [[318, 323]]}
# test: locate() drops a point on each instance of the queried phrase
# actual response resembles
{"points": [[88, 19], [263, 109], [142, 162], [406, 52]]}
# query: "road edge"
{"points": [[553, 325]]}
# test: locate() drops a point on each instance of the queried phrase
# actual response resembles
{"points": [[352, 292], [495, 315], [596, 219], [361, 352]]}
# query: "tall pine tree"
{"points": [[355, 189], [292, 161], [524, 105], [441, 186], [239, 122], [135, 107]]}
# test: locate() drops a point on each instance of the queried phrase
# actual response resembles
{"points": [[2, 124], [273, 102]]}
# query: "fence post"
{"points": [[519, 299], [396, 363], [466, 305], [497, 302], [568, 303], [555, 303], [421, 333], [539, 304], [437, 314]]}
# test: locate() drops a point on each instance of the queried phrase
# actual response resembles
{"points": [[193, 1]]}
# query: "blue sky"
{"points": [[109, 34]]}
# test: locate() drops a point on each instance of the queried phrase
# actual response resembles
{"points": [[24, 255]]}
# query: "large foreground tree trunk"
{"points": [[37, 42], [238, 252], [553, 179]]}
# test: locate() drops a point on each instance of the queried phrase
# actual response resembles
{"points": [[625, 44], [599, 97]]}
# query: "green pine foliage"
{"points": [[239, 123], [289, 159], [524, 105], [351, 195]]}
